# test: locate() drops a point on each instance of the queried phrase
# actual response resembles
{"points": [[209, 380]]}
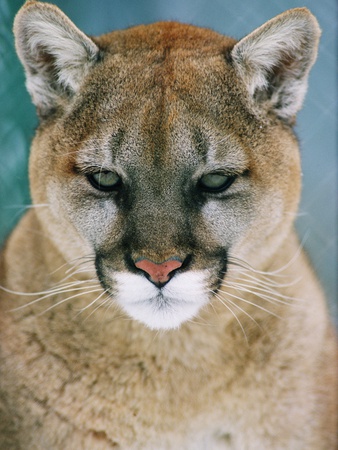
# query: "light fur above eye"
{"points": [[105, 180], [215, 182]]}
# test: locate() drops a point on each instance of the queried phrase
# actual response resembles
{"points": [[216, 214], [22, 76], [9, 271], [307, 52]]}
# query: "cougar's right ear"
{"points": [[56, 55]]}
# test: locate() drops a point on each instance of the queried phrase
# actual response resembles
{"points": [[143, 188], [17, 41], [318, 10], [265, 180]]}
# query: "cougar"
{"points": [[156, 296]]}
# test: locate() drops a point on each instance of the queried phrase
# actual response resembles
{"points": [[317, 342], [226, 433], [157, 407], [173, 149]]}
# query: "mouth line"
{"points": [[159, 308], [161, 301], [162, 298]]}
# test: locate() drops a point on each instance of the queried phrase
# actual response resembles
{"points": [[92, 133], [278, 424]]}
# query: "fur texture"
{"points": [[164, 142]]}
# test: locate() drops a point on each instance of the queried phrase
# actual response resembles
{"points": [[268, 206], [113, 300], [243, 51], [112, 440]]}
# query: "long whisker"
{"points": [[266, 280], [28, 206], [264, 293], [77, 272], [93, 303], [51, 293], [76, 264], [244, 265], [67, 299], [239, 308], [253, 304], [221, 300], [276, 272], [56, 289], [265, 297], [200, 322]]}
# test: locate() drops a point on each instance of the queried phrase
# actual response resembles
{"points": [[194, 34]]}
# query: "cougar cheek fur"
{"points": [[156, 296]]}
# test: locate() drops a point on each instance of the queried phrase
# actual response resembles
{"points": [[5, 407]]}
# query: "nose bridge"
{"points": [[156, 225], [156, 218], [160, 220]]}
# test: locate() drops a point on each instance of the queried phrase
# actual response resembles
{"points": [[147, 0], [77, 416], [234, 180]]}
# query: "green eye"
{"points": [[215, 182], [105, 180]]}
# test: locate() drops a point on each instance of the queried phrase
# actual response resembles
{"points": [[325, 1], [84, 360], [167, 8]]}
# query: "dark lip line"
{"points": [[221, 274], [100, 275], [215, 286]]}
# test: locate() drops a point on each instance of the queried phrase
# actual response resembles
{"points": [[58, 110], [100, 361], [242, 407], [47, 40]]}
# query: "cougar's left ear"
{"points": [[274, 61], [56, 55]]}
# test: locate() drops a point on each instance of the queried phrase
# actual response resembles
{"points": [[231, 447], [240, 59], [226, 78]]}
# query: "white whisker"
{"points": [[253, 304], [261, 296], [67, 299], [37, 205], [241, 263], [264, 279], [239, 308], [92, 303], [222, 301], [74, 264], [263, 292], [50, 293]]}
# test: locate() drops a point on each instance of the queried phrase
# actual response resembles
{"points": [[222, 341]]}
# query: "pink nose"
{"points": [[159, 273]]}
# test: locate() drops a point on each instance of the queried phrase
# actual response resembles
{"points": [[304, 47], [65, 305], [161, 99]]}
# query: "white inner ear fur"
{"points": [[51, 47], [288, 42]]}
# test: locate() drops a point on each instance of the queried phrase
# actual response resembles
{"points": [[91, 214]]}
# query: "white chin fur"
{"points": [[161, 309]]}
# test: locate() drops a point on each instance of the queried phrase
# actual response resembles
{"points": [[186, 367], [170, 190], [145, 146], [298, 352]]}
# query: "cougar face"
{"points": [[161, 196], [162, 153]]}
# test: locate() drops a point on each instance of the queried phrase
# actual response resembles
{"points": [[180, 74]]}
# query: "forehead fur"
{"points": [[165, 35]]}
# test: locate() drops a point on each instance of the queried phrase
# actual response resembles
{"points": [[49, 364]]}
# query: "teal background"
{"points": [[316, 128]]}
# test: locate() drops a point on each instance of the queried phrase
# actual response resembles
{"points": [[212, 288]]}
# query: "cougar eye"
{"points": [[105, 180], [215, 182]]}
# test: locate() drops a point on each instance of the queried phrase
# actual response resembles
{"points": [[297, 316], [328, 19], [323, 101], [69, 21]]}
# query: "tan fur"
{"points": [[256, 367]]}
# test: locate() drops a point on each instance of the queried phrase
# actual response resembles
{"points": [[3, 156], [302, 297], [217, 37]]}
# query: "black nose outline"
{"points": [[130, 263], [161, 272]]}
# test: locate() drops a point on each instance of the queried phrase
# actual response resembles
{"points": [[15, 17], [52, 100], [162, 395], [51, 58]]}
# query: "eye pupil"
{"points": [[105, 180], [215, 182]]}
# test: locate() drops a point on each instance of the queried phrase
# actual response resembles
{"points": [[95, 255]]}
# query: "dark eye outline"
{"points": [[102, 187], [228, 180]]}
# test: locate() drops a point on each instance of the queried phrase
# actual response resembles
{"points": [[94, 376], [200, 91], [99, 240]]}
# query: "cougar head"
{"points": [[164, 150]]}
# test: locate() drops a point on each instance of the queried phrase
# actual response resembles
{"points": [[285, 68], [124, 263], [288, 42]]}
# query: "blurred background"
{"points": [[317, 126]]}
